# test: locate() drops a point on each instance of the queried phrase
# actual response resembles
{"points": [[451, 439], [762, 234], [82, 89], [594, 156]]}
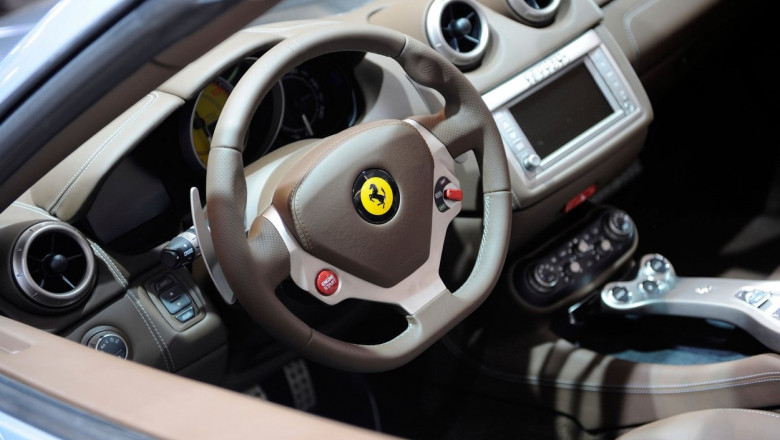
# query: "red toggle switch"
{"points": [[453, 194]]}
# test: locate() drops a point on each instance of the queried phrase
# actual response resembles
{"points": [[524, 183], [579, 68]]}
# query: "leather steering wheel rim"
{"points": [[254, 266]]}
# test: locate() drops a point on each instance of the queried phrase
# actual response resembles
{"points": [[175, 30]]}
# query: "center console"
{"points": [[590, 268], [563, 109], [572, 326], [751, 305]]}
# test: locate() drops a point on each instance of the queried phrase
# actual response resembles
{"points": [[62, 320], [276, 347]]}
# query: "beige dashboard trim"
{"points": [[96, 157], [151, 401], [248, 42], [513, 45]]}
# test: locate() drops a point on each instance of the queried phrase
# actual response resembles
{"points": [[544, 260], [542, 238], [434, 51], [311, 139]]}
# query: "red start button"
{"points": [[327, 282]]}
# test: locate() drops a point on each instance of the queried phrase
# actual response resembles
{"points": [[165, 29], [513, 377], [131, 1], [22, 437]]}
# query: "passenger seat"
{"points": [[711, 424]]}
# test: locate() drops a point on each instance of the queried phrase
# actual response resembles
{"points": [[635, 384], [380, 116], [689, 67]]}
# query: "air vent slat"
{"points": [[66, 281]]}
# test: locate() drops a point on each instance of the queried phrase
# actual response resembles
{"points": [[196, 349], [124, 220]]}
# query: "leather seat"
{"points": [[711, 424]]}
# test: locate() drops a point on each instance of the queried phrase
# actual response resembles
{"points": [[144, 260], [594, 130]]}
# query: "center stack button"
{"points": [[544, 276]]}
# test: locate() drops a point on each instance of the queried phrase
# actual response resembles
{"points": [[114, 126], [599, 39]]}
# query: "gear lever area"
{"points": [[752, 305]]}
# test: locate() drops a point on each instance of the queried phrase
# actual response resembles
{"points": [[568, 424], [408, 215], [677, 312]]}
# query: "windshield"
{"points": [[61, 28], [288, 10], [17, 18]]}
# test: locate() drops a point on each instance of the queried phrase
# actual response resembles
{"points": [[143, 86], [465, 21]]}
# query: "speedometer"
{"points": [[205, 110]]}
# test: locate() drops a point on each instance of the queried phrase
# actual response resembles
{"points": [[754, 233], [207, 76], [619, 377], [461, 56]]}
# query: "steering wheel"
{"points": [[362, 213]]}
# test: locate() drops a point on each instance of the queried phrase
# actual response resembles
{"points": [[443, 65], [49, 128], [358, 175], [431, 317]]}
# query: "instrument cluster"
{"points": [[313, 100]]}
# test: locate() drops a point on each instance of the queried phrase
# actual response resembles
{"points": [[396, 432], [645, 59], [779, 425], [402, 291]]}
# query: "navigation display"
{"points": [[561, 110]]}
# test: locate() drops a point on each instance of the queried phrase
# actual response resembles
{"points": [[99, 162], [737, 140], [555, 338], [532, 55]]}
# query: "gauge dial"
{"points": [[208, 107], [314, 100], [110, 342], [305, 105]]}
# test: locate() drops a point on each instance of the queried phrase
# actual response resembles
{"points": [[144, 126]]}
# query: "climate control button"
{"points": [[574, 268], [546, 275], [619, 225], [583, 247]]}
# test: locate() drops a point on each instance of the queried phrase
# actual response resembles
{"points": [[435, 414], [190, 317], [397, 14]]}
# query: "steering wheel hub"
{"points": [[375, 196], [317, 201]]}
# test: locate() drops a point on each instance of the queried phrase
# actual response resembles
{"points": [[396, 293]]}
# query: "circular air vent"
{"points": [[458, 30], [53, 264], [535, 12]]}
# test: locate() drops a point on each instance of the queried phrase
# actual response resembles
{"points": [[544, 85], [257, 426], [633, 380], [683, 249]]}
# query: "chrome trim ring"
{"points": [[534, 15], [25, 280], [437, 40]]}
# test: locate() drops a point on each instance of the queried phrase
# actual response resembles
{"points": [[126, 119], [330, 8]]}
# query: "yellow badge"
{"points": [[376, 196]]}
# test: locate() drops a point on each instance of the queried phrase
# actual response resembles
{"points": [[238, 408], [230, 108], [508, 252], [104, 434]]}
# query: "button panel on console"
{"points": [[577, 260]]}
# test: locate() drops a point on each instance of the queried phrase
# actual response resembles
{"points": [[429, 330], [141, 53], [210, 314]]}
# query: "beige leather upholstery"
{"points": [[601, 391], [147, 400], [713, 424], [64, 190]]}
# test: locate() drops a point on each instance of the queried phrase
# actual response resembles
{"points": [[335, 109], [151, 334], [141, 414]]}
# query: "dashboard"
{"points": [[513, 240], [314, 100], [549, 137], [565, 95]]}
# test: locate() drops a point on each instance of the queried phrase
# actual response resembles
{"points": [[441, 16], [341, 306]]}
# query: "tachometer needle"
{"points": [[307, 124], [200, 124]]}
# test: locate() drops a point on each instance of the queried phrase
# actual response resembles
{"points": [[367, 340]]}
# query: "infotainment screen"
{"points": [[561, 110]]}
